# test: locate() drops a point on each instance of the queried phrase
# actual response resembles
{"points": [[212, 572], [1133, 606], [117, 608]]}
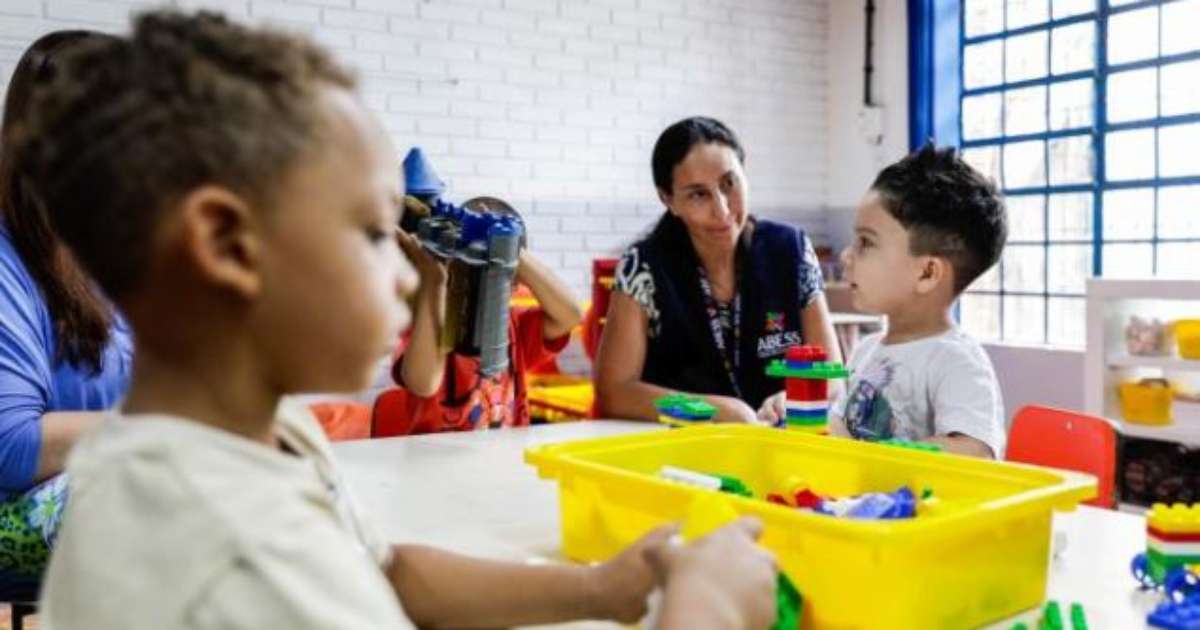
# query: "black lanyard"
{"points": [[729, 356]]}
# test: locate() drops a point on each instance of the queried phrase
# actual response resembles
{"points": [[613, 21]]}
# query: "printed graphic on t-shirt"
{"points": [[634, 278], [869, 415]]}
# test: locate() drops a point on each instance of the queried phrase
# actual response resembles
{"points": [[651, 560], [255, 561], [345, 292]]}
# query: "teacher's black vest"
{"points": [[683, 356]]}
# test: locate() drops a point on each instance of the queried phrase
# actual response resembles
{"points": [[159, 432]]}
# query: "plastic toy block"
{"points": [[1019, 626], [1182, 584], [1174, 519], [1159, 565], [681, 410], [788, 604], [821, 370], [1078, 618], [916, 446], [1176, 615], [721, 483], [1051, 617]]}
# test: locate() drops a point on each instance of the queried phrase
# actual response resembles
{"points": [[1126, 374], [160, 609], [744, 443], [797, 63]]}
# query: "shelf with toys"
{"points": [[1142, 371]]}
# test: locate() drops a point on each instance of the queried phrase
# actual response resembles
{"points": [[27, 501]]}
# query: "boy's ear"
{"points": [[220, 235], [934, 272]]}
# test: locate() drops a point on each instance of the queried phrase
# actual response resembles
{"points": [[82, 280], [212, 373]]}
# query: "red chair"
{"points": [[1067, 440]]}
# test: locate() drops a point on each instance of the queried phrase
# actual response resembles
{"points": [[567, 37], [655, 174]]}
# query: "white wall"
{"points": [[1041, 376], [853, 159], [555, 104]]}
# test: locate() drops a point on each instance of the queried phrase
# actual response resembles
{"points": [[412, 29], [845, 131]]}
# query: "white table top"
{"points": [[473, 493]]}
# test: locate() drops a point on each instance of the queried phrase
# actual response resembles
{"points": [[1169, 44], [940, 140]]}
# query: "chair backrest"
{"points": [[1066, 439]]}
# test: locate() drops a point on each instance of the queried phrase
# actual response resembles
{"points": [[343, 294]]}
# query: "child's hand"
{"points": [[724, 576], [623, 583], [772, 411], [432, 271]]}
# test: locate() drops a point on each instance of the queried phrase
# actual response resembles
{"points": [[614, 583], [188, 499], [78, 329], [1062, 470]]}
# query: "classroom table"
{"points": [[473, 493]]}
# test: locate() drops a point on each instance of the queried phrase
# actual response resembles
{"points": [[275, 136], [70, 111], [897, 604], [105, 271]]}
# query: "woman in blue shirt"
{"points": [[65, 354]]}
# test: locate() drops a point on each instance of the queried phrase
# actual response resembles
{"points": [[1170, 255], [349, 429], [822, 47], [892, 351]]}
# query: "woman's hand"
{"points": [[772, 410], [732, 410]]}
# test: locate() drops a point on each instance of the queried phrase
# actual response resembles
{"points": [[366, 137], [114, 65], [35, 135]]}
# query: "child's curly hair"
{"points": [[130, 125]]}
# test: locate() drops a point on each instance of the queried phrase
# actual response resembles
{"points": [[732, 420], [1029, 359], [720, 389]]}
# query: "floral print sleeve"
{"points": [[810, 281], [633, 278]]}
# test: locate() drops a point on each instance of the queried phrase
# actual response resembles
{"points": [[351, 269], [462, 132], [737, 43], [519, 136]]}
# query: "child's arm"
{"points": [[422, 366], [443, 589], [561, 311], [962, 445]]}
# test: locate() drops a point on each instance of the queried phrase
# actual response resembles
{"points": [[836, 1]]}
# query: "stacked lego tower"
{"points": [[806, 372], [1172, 539]]}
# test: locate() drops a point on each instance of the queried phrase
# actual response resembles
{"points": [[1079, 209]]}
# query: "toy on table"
{"points": [[480, 240], [1170, 615], [1052, 619], [806, 374], [1172, 543], [915, 446], [681, 410]]}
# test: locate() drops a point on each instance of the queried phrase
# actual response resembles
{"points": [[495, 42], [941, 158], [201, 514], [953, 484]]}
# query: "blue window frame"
{"points": [[1087, 112]]}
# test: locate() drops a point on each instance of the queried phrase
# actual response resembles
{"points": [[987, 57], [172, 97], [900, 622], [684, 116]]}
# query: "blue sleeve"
{"points": [[25, 372]]}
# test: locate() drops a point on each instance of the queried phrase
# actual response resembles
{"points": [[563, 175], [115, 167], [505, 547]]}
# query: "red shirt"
{"points": [[465, 401]]}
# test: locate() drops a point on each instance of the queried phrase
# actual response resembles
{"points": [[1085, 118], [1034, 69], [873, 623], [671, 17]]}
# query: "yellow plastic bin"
{"points": [[981, 558], [1187, 335], [1146, 402]]}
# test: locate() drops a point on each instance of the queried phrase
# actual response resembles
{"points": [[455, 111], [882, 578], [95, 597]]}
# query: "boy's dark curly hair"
{"points": [[130, 125], [949, 209]]}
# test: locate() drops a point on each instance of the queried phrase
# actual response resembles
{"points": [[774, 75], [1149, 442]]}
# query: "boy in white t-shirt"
{"points": [[229, 191], [929, 226]]}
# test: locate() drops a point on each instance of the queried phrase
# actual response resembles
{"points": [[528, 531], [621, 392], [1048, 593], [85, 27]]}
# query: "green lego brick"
{"points": [[820, 370], [1052, 618], [916, 446], [1078, 619]]}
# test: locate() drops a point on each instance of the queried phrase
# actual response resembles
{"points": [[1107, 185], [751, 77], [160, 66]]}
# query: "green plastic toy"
{"points": [[916, 446], [788, 604]]}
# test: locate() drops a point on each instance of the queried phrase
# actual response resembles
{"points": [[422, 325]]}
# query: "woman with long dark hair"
{"points": [[712, 294], [65, 355]]}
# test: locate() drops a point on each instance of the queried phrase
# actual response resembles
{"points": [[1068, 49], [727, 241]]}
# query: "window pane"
{"points": [[1073, 48], [1067, 8], [1179, 213], [1071, 216], [1178, 260], [1129, 155], [1026, 12], [983, 17], [1025, 57], [1071, 104], [1128, 214], [1068, 322], [1128, 261], [1024, 268], [980, 316], [1071, 160], [1026, 218], [1131, 95], [1070, 267], [1179, 27], [1025, 164], [1177, 150], [1133, 36], [981, 116], [986, 160], [988, 281], [983, 64], [1180, 88], [1025, 319], [1025, 111]]}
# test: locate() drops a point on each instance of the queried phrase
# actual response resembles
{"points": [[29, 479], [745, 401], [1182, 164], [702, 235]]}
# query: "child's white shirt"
{"points": [[923, 388], [174, 524]]}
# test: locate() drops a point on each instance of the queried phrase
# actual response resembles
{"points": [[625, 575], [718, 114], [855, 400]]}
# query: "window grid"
{"points": [[1097, 134]]}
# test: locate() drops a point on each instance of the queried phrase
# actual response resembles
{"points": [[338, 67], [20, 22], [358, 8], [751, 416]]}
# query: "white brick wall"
{"points": [[555, 104]]}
